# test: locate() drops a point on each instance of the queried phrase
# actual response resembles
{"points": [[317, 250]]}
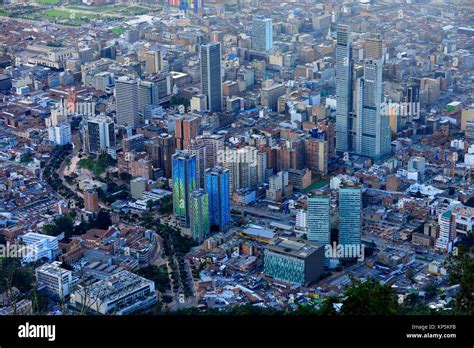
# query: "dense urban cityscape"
{"points": [[239, 156]]}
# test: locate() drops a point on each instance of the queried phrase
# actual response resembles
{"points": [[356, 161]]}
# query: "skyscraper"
{"points": [[319, 220], [99, 134], [242, 166], [343, 88], [214, 144], [126, 99], [262, 34], [211, 75], [186, 129], [60, 134], [153, 62], [375, 136], [350, 212], [199, 151], [217, 187], [161, 149], [199, 215], [184, 181], [374, 47]]}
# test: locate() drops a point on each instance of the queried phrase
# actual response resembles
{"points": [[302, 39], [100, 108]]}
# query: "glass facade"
{"points": [[319, 220], [350, 210], [284, 268], [200, 225], [217, 187], [184, 181]]}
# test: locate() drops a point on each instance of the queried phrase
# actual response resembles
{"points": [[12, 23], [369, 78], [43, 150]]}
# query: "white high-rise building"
{"points": [[39, 246], [262, 34], [242, 166], [57, 280], [60, 134], [99, 134]]}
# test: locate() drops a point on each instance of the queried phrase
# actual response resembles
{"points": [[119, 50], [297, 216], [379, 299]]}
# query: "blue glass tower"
{"points": [[217, 187], [184, 181], [319, 220], [350, 212]]}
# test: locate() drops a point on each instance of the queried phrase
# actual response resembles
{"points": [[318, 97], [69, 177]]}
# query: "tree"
{"points": [[369, 298], [125, 176], [461, 271]]}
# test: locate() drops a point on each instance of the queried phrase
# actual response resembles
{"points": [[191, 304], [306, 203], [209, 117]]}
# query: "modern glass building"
{"points": [[318, 220], [294, 261], [375, 135], [262, 34], [343, 88], [211, 75], [350, 212], [217, 187], [199, 215], [184, 182]]}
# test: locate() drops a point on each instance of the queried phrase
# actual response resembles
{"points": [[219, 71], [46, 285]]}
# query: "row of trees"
{"points": [[51, 176]]}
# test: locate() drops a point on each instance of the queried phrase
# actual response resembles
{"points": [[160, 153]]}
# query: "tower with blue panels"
{"points": [[184, 182], [217, 187]]}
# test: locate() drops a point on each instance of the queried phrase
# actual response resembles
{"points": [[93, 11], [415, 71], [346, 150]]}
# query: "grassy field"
{"points": [[48, 2], [67, 14], [316, 185]]}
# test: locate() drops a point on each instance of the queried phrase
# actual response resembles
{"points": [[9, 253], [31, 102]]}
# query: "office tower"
{"points": [[91, 201], [145, 97], [153, 62], [350, 212], [60, 134], [99, 134], [211, 79], [319, 220], [184, 181], [199, 215], [375, 136], [186, 129], [126, 99], [343, 88], [317, 155], [198, 103], [374, 47], [137, 187], [261, 167], [214, 144], [134, 143], [242, 166], [132, 36], [217, 187], [269, 94], [447, 231], [262, 34], [160, 150], [199, 151], [153, 92]]}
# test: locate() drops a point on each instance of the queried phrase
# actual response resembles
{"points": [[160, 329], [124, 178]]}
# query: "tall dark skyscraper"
{"points": [[350, 212], [211, 76], [343, 88]]}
